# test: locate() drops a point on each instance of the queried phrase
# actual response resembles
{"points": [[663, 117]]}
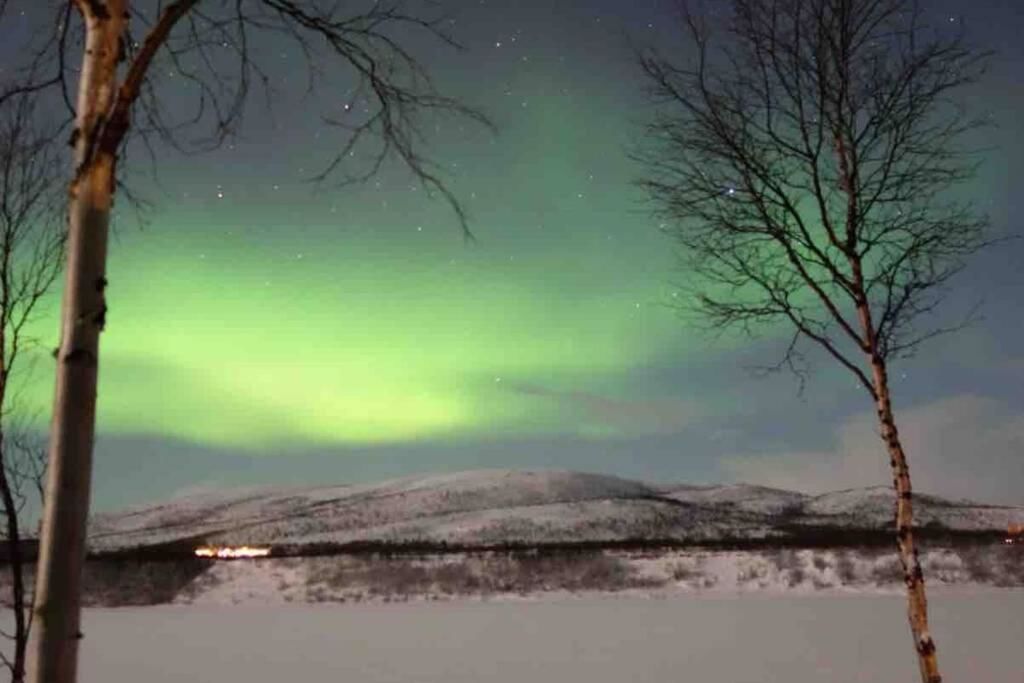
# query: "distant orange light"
{"points": [[229, 553]]}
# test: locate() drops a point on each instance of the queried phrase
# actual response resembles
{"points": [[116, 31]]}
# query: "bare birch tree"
{"points": [[211, 45], [23, 458], [31, 246], [803, 163]]}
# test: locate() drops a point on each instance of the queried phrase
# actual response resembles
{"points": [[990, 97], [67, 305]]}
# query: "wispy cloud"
{"points": [[620, 415], [966, 446]]}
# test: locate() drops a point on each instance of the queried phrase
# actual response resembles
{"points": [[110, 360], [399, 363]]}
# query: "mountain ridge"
{"points": [[494, 506]]}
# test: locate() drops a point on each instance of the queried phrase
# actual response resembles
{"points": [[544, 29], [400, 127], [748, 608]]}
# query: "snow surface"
{"points": [[706, 639], [747, 497], [495, 506]]}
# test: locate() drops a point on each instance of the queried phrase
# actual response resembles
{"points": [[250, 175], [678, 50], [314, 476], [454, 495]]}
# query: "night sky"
{"points": [[264, 331]]}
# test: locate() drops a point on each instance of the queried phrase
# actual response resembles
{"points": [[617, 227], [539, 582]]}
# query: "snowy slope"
{"points": [[462, 506], [873, 507], [496, 506], [748, 497]]}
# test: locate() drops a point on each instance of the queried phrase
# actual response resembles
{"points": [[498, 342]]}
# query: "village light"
{"points": [[231, 553]]}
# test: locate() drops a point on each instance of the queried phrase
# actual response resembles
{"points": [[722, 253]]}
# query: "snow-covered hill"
{"points": [[747, 497], [873, 507], [503, 506]]}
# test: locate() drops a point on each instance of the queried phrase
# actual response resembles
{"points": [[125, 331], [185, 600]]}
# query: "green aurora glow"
{"points": [[274, 316], [373, 337]]}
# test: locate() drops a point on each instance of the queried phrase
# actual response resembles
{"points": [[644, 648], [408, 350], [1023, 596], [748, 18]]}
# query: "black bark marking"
{"points": [[80, 357], [98, 9], [926, 646], [101, 284], [100, 319], [113, 131]]}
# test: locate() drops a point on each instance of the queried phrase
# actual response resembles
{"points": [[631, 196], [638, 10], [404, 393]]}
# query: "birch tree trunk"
{"points": [[913, 577], [53, 649], [917, 603]]}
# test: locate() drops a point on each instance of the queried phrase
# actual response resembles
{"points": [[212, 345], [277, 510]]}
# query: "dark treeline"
{"points": [[791, 537]]}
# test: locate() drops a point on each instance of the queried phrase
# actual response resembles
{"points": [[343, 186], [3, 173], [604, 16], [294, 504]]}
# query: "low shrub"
{"points": [[846, 569], [130, 582], [887, 571], [473, 574], [683, 571], [977, 562]]}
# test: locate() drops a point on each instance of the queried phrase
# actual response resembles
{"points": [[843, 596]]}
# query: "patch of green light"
{"points": [[357, 342]]}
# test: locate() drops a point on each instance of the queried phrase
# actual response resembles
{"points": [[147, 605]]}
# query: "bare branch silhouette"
{"points": [[802, 159], [129, 51], [31, 251]]}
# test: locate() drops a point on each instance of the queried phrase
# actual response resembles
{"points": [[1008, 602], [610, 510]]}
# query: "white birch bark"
{"points": [[53, 647]]}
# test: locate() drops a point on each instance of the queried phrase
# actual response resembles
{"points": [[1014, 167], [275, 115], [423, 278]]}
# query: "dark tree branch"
{"points": [[843, 104], [31, 247], [814, 147], [189, 39]]}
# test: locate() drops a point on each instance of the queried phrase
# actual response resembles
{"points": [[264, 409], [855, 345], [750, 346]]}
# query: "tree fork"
{"points": [[913, 576]]}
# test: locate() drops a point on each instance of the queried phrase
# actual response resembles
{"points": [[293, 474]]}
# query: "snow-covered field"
{"points": [[700, 639]]}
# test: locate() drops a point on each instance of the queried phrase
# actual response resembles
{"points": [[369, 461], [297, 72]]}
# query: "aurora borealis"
{"points": [[262, 329], [399, 340]]}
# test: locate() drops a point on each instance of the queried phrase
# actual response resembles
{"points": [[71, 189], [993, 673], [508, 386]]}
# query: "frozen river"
{"points": [[699, 639]]}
